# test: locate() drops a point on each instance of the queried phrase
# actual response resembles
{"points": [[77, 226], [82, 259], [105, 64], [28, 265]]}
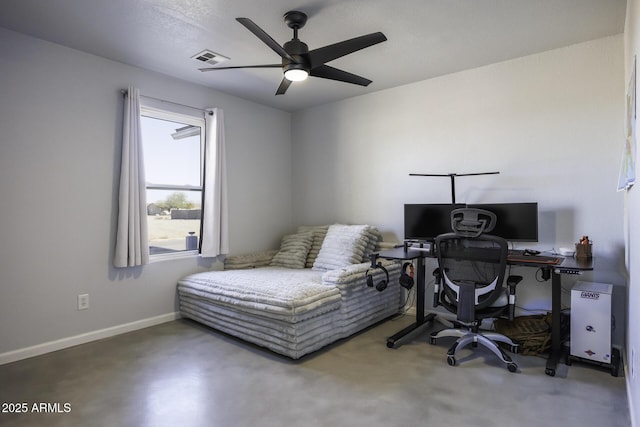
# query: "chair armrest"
{"points": [[437, 274], [512, 282]]}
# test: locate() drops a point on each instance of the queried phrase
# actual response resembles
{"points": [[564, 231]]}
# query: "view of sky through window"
{"points": [[170, 161]]}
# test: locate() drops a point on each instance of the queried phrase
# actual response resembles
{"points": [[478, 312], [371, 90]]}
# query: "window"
{"points": [[173, 146]]}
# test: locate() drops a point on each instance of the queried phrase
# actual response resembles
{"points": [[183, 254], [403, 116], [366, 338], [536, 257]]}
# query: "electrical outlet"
{"points": [[83, 302]]}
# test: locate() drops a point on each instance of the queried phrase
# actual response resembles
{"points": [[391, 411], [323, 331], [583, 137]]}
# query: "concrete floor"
{"points": [[183, 374]]}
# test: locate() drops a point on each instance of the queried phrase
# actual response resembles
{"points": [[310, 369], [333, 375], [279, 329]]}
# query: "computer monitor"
{"points": [[516, 222], [427, 221]]}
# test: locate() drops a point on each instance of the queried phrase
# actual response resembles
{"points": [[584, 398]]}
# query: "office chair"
{"points": [[470, 282]]}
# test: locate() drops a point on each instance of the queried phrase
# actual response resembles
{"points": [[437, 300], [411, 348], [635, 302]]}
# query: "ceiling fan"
{"points": [[298, 62]]}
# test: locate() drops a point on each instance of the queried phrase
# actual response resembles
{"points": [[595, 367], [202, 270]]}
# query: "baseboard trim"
{"points": [[627, 377], [48, 347]]}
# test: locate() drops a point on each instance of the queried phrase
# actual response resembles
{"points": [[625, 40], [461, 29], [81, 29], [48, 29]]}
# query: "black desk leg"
{"points": [[422, 321], [556, 338]]}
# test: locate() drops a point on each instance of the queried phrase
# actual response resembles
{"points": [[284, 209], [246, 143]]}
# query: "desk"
{"points": [[421, 320], [565, 266]]}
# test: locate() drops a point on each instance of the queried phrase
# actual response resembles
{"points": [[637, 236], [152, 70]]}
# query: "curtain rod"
{"points": [[124, 92]]}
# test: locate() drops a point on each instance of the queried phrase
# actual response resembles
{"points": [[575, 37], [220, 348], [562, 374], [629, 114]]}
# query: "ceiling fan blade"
{"points": [[241, 66], [284, 85], [266, 38], [328, 53], [327, 72]]}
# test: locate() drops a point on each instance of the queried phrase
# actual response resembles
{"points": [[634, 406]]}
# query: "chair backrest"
{"points": [[472, 263]]}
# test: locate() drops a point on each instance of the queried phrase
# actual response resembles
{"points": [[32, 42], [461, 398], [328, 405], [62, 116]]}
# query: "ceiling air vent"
{"points": [[209, 57]]}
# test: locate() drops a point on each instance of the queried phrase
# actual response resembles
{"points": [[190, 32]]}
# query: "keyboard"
{"points": [[518, 256]]}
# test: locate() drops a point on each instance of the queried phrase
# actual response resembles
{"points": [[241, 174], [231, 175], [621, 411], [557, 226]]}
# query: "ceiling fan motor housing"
{"points": [[299, 51]]}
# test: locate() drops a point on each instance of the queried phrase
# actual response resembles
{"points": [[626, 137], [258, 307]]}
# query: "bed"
{"points": [[300, 298]]}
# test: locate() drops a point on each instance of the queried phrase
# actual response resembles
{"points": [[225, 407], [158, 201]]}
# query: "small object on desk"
{"points": [[531, 252], [583, 248], [566, 252]]}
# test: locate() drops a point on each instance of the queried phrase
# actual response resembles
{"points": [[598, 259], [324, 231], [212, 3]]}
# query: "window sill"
{"points": [[172, 256]]}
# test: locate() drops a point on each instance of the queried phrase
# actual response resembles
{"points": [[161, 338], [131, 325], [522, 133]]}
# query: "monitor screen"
{"points": [[425, 222], [517, 222]]}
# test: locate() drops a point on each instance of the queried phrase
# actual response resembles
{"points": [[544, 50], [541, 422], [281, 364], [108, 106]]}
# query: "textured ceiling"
{"points": [[426, 38]]}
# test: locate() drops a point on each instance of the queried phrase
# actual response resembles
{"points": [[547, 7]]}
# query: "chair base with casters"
{"points": [[471, 336], [469, 332]]}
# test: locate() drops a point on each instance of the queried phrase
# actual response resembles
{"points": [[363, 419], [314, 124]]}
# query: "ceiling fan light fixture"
{"points": [[296, 74]]}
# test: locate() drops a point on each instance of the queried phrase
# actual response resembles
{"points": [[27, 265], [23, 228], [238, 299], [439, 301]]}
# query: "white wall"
{"points": [[552, 124], [632, 229], [60, 136]]}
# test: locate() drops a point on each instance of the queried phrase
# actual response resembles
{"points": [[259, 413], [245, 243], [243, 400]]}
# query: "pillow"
{"points": [[293, 250], [342, 246], [373, 238], [319, 232], [251, 260]]}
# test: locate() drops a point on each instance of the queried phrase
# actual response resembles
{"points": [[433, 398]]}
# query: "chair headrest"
{"points": [[472, 222]]}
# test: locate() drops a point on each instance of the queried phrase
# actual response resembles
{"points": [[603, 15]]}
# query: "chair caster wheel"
{"points": [[514, 349], [550, 372], [432, 341], [512, 367], [451, 360]]}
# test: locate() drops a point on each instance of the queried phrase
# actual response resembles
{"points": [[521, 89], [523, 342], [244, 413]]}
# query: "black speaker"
{"points": [[382, 284], [406, 279]]}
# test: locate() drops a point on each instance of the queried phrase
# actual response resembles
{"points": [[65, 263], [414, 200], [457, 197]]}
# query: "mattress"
{"points": [[289, 311], [289, 295]]}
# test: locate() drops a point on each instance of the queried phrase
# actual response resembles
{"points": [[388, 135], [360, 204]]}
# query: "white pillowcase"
{"points": [[342, 246]]}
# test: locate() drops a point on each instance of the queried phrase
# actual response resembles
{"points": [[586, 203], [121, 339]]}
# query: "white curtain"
{"points": [[214, 236], [132, 246]]}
